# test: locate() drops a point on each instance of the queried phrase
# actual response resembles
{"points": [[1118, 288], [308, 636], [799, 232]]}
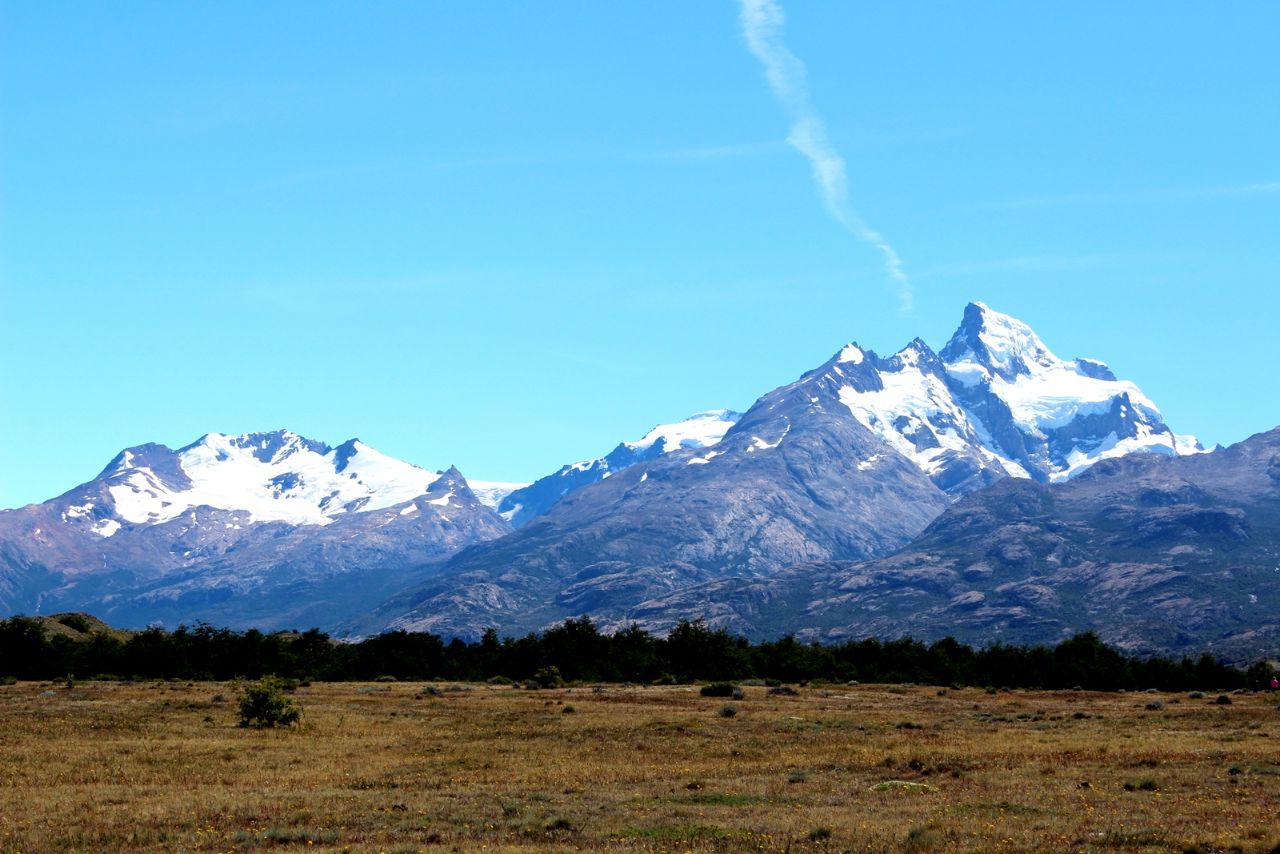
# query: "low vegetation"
{"points": [[575, 651], [263, 705], [449, 766]]}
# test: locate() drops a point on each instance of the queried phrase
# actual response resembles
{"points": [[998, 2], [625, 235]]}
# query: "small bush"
{"points": [[920, 839], [549, 677], [263, 705], [386, 679], [568, 710], [1147, 785], [1223, 700], [77, 622], [820, 834], [783, 691], [728, 711], [719, 689]]}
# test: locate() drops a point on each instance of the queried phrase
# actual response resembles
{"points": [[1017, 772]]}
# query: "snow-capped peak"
{"points": [[277, 476], [850, 353], [997, 398], [700, 430], [997, 344]]}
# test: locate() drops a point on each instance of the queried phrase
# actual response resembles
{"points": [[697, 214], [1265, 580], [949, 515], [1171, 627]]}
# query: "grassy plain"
{"points": [[395, 767]]}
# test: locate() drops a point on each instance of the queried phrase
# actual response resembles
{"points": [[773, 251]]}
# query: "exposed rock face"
{"points": [[701, 430], [267, 530], [795, 479], [1050, 418], [848, 463], [1155, 554]]}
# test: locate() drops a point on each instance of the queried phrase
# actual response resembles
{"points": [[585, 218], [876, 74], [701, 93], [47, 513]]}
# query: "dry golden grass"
{"points": [[113, 767]]}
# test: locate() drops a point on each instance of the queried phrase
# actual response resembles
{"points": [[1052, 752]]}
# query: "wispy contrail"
{"points": [[762, 22]]}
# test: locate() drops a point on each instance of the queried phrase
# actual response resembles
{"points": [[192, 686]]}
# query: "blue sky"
{"points": [[506, 236]]}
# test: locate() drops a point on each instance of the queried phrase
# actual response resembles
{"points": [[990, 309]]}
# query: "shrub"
{"points": [[719, 689], [77, 622], [263, 705], [1223, 700], [728, 711], [549, 677], [921, 839]]}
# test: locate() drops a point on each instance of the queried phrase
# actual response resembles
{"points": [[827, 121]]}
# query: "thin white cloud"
{"points": [[762, 22]]}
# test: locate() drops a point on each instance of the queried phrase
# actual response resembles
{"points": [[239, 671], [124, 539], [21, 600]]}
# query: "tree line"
{"points": [[579, 651]]}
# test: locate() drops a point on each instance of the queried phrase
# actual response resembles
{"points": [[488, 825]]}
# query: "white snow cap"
{"points": [[917, 413], [851, 353], [700, 430], [276, 476], [1041, 390]]}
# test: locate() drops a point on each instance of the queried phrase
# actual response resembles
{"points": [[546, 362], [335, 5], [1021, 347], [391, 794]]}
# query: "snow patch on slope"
{"points": [[701, 430], [491, 492], [914, 412]]}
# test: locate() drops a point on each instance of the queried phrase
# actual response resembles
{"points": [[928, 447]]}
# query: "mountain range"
{"points": [[988, 489]]}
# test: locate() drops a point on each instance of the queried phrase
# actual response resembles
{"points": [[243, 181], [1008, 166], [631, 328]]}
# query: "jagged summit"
{"points": [[247, 529], [700, 430], [996, 400], [851, 461], [997, 343], [276, 476]]}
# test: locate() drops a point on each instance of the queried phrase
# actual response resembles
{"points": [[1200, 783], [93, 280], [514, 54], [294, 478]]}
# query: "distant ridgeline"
{"points": [[53, 647]]}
